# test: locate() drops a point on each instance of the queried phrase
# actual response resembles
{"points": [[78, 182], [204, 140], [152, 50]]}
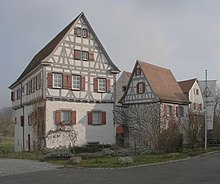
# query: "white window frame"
{"points": [[57, 80], [85, 55], [102, 85], [76, 82], [138, 71], [96, 117], [65, 116], [78, 31], [84, 33]]}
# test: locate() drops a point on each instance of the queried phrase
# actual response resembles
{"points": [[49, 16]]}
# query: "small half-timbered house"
{"points": [[151, 87], [70, 82]]}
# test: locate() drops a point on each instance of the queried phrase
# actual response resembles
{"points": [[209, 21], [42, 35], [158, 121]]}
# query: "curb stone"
{"points": [[144, 165]]}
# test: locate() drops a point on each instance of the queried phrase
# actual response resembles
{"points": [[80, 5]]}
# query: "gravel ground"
{"points": [[19, 166]]}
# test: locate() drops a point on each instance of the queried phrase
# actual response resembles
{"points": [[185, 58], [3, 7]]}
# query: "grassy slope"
{"points": [[6, 151]]}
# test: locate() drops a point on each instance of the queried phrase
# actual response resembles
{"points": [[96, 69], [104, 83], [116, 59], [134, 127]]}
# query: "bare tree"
{"points": [[37, 122], [141, 122], [64, 135], [193, 128], [147, 125], [215, 133], [6, 122]]}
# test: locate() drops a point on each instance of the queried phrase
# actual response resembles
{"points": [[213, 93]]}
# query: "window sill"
{"points": [[96, 124]]}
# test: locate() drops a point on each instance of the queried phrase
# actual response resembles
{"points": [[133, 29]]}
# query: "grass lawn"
{"points": [[6, 145], [7, 151]]}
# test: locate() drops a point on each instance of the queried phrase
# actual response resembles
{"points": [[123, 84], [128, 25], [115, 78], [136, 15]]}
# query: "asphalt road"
{"points": [[200, 170]]}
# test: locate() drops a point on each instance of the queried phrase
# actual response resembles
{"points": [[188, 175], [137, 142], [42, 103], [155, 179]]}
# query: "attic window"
{"points": [[85, 55], [78, 31], [138, 71], [140, 87], [85, 33]]}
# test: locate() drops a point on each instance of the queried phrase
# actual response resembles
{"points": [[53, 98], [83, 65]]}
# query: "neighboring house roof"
{"points": [[128, 73], [48, 49], [162, 82], [186, 85]]}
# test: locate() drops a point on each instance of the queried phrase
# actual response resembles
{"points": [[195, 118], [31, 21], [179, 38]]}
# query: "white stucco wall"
{"points": [[198, 99], [19, 132], [104, 134]]}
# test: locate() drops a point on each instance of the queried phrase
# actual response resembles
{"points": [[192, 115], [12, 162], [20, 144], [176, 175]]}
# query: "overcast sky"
{"points": [[183, 36]]}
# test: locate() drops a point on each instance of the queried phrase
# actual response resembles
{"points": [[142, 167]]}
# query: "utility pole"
{"points": [[206, 76]]}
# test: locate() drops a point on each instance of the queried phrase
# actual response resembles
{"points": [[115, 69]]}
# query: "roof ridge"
{"points": [[152, 65]]}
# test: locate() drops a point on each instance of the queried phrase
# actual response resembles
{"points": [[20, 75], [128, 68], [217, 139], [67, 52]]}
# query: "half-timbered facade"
{"points": [[71, 82], [150, 87]]}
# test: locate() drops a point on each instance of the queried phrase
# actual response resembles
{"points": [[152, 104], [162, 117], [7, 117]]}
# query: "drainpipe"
{"points": [[22, 106]]}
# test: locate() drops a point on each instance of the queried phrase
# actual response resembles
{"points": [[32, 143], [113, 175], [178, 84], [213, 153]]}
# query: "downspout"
{"points": [[44, 97], [22, 106]]}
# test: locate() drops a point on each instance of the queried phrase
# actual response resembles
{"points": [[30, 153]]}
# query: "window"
{"points": [[101, 85], [19, 93], [78, 31], [65, 117], [85, 33], [179, 111], [27, 89], [96, 117], [57, 80], [85, 55], [194, 106], [169, 110], [124, 88], [140, 87], [196, 91], [22, 120], [137, 71], [200, 107], [76, 82]]}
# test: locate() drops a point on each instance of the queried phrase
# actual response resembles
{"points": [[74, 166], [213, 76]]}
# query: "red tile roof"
{"points": [[186, 85], [128, 74], [163, 83]]}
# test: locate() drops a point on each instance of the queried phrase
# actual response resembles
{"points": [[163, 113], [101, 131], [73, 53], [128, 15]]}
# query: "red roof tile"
{"points": [[186, 85], [163, 83]]}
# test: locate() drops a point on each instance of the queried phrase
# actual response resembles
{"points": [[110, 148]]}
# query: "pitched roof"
{"points": [[128, 73], [186, 85], [47, 50], [163, 83]]}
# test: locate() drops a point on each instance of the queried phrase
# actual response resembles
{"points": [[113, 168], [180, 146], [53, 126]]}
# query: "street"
{"points": [[201, 170]]}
